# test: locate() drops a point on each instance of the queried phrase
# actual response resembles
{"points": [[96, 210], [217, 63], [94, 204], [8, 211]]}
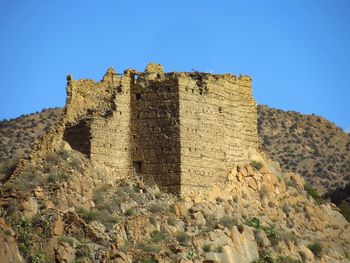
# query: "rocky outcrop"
{"points": [[8, 246]]}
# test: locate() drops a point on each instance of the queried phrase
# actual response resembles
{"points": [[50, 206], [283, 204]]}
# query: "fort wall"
{"points": [[183, 131], [217, 128], [155, 143]]}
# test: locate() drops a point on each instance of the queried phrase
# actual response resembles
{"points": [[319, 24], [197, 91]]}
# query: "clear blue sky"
{"points": [[298, 52]]}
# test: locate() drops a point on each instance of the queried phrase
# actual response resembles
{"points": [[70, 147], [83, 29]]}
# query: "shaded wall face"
{"points": [[79, 137], [218, 126], [154, 135]]}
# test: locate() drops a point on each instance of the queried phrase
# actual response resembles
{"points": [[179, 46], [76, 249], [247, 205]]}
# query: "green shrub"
{"points": [[191, 255], [66, 239], [253, 222], [7, 168], [264, 191], [53, 158], [129, 212], [227, 221], [256, 165], [183, 238], [157, 236], [63, 154], [87, 215], [156, 209], [272, 235], [39, 258], [99, 197], [75, 163], [57, 177], [286, 209], [316, 248], [172, 220], [206, 247], [311, 191], [24, 232], [107, 219], [82, 250], [9, 187], [219, 249], [43, 222], [148, 248], [28, 180], [266, 257]]}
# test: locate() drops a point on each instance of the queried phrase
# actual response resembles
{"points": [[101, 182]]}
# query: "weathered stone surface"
{"points": [[29, 207], [8, 247], [58, 227], [64, 252]]}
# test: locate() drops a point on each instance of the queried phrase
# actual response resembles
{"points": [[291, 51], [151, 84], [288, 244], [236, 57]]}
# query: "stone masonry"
{"points": [[183, 131]]}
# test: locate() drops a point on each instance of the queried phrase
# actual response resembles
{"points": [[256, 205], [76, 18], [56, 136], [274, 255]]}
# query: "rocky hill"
{"points": [[65, 210], [62, 209], [307, 144], [18, 136]]}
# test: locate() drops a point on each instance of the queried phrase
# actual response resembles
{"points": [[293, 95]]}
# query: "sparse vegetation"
{"points": [[28, 180], [157, 236], [82, 250], [183, 238], [156, 209], [219, 249], [253, 222], [265, 257], [227, 221], [206, 247], [129, 212], [311, 191], [272, 235], [256, 165], [320, 153], [87, 215], [57, 177], [316, 248], [7, 168]]}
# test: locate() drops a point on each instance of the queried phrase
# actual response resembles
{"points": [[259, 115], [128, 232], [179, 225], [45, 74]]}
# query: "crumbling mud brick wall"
{"points": [[103, 109], [182, 131], [218, 127], [155, 134]]}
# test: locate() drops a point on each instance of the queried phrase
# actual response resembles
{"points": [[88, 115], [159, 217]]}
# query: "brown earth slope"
{"points": [[18, 136], [308, 144]]}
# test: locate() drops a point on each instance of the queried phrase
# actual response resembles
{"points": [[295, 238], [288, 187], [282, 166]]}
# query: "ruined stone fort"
{"points": [[183, 131]]}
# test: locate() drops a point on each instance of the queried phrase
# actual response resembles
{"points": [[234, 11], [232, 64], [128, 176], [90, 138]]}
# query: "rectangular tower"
{"points": [[182, 131]]}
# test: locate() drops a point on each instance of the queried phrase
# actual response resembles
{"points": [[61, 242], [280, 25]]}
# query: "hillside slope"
{"points": [[18, 136], [61, 208], [308, 144]]}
